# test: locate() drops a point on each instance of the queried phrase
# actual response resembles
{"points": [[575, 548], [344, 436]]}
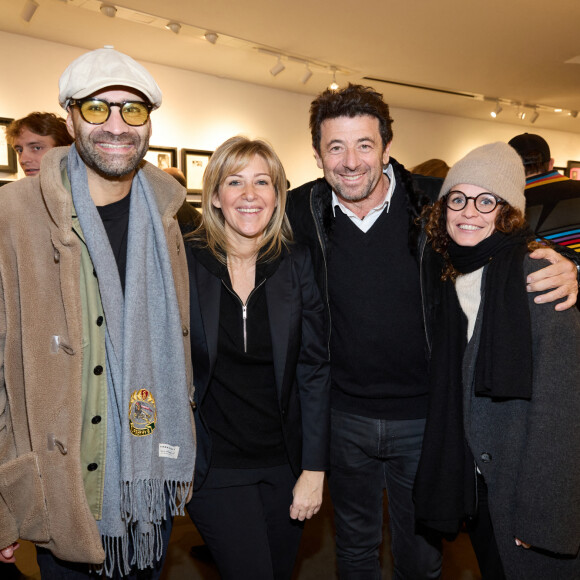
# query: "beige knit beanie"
{"points": [[496, 167]]}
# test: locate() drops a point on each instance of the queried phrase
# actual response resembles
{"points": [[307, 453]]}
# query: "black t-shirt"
{"points": [[115, 218]]}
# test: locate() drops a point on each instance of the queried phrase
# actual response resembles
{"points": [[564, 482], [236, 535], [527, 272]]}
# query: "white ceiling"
{"points": [[510, 49]]}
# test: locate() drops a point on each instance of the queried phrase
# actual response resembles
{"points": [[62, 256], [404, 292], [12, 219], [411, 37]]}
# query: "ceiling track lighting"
{"points": [[523, 111], [307, 75], [108, 10], [30, 7], [302, 68], [334, 86], [211, 37], [175, 27], [278, 67]]}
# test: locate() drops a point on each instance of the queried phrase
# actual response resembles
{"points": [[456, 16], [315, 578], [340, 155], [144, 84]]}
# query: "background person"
{"points": [[187, 216], [431, 168], [33, 136], [261, 368], [552, 199], [504, 378], [177, 174]]}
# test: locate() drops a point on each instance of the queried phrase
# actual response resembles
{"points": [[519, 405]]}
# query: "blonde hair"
{"points": [[229, 158]]}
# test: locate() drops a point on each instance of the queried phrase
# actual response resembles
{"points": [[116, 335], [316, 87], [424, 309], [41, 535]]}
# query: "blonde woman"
{"points": [[261, 368]]}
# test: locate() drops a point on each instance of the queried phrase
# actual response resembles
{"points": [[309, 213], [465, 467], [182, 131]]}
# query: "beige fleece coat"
{"points": [[42, 497]]}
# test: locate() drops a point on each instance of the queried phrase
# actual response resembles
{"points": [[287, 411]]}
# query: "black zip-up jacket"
{"points": [[309, 209]]}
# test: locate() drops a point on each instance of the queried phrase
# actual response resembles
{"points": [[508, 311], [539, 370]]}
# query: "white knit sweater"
{"points": [[468, 288]]}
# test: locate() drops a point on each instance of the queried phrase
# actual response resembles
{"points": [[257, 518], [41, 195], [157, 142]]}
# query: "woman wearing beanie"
{"points": [[501, 449]]}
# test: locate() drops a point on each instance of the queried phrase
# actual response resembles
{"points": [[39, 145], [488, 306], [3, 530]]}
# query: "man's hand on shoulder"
{"points": [[556, 281]]}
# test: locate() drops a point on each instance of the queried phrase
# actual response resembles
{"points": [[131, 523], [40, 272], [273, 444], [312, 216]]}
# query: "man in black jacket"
{"points": [[359, 222]]}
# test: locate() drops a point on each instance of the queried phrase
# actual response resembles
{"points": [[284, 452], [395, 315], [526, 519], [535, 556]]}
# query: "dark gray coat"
{"points": [[529, 451]]}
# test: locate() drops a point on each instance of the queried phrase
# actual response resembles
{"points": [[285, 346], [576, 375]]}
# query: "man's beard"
{"points": [[111, 165], [344, 193]]}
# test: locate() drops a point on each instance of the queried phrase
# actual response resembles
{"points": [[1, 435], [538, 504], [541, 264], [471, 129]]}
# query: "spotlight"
{"points": [[108, 10], [573, 114], [535, 116], [211, 37], [277, 68], [498, 109], [557, 110], [333, 85], [307, 74], [175, 27], [521, 115], [29, 9]]}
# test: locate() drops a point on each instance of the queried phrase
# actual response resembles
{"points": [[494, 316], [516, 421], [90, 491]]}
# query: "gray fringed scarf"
{"points": [[150, 447]]}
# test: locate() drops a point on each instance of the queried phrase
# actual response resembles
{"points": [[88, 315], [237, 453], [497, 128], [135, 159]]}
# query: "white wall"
{"points": [[200, 111], [419, 136]]}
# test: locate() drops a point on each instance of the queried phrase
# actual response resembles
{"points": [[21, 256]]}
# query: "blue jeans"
{"points": [[367, 456]]}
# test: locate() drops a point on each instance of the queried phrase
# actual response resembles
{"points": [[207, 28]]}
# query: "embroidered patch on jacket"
{"points": [[142, 413]]}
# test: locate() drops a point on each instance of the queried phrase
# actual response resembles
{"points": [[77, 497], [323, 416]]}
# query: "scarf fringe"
{"points": [[177, 498], [146, 500], [147, 545], [116, 556], [147, 551]]}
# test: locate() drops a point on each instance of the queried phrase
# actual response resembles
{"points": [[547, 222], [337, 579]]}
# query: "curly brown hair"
{"points": [[434, 218]]}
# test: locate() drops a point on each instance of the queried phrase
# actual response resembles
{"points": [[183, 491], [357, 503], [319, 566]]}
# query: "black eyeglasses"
{"points": [[484, 202], [97, 111]]}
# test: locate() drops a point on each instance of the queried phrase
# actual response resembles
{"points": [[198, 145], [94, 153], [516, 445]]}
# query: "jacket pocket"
{"points": [[23, 494]]}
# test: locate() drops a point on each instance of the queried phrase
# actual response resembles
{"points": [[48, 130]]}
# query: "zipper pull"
{"points": [[244, 318]]}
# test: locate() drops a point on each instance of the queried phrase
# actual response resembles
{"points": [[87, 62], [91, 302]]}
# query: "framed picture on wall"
{"points": [[193, 164], [573, 170], [7, 154], [162, 157], [194, 199]]}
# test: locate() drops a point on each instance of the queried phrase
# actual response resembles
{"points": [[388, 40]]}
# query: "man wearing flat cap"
{"points": [[96, 440]]}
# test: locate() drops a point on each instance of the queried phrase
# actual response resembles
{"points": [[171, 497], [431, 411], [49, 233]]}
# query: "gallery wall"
{"points": [[200, 111]]}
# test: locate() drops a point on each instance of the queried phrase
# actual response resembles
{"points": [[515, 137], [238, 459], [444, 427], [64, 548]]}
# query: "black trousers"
{"points": [[483, 537], [243, 517]]}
